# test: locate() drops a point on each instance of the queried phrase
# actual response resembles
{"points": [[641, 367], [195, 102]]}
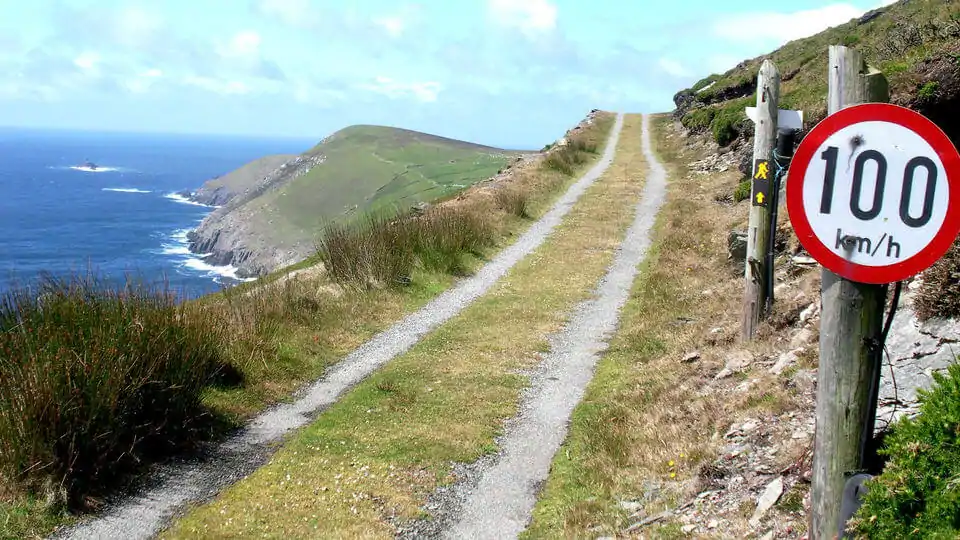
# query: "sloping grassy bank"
{"points": [[91, 379]]}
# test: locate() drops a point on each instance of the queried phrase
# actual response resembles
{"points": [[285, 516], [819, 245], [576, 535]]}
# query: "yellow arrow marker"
{"points": [[759, 198]]}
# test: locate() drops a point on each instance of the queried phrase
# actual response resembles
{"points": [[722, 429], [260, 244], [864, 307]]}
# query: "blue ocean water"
{"points": [[122, 219]]}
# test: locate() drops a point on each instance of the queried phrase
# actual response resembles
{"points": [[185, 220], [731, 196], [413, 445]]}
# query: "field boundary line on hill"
{"points": [[501, 502], [144, 514]]}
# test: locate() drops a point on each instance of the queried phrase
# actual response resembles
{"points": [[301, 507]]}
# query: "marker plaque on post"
{"points": [[760, 191]]}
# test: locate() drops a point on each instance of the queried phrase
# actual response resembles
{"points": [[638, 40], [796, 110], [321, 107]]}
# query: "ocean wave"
{"points": [[176, 197], [190, 263], [92, 170], [125, 190], [228, 271]]}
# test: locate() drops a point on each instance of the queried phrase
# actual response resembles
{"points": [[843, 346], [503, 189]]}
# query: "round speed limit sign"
{"points": [[874, 193]]}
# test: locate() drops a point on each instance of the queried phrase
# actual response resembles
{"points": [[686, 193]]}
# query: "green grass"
{"points": [[386, 444], [742, 191], [898, 41]]}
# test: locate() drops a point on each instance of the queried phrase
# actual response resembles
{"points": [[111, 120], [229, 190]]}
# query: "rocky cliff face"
{"points": [[231, 235]]}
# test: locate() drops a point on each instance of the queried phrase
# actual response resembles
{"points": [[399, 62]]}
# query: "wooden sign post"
{"points": [[758, 229]]}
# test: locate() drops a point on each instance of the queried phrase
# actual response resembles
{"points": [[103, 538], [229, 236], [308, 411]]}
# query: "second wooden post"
{"points": [[758, 229]]}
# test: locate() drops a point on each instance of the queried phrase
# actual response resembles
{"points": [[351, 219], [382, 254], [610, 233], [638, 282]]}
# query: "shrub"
{"points": [[383, 251], [564, 159], [742, 191], [94, 379], [928, 91], [726, 125], [698, 120], [918, 493], [940, 294], [514, 201]]}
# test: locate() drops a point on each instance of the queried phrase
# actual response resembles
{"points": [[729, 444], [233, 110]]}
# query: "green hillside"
{"points": [[916, 43], [379, 168]]}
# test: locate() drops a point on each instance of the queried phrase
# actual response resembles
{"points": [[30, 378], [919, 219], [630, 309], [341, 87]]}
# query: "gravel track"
{"points": [[498, 501], [173, 486]]}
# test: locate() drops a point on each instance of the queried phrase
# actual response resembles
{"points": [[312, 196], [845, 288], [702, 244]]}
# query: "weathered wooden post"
{"points": [[850, 330], [758, 229]]}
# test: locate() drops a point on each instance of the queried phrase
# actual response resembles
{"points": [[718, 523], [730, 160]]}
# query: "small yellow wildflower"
{"points": [[670, 463]]}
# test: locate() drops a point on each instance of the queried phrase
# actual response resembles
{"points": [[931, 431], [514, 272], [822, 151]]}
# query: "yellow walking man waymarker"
{"points": [[763, 170], [761, 182]]}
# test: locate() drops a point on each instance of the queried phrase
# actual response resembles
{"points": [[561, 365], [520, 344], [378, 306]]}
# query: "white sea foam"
{"points": [[126, 190], [228, 271], [97, 170], [194, 263], [176, 197]]}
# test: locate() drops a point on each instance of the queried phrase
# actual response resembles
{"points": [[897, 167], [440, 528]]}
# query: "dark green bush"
{"points": [[94, 379], [698, 120], [742, 191], [928, 91], [726, 125], [918, 493]]}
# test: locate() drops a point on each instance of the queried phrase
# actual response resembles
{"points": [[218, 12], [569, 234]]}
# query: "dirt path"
{"points": [[500, 503], [176, 485]]}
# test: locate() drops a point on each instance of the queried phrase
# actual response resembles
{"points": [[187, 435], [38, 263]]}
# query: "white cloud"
{"points": [[86, 61], [532, 17], [292, 12], [217, 86], [152, 73], [391, 25], [783, 27], [245, 44], [673, 67], [422, 91], [134, 26]]}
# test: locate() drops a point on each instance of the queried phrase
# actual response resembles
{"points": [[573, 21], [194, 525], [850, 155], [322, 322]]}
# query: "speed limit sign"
{"points": [[874, 193]]}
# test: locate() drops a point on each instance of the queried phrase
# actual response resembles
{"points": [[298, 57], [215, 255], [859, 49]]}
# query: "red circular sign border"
{"points": [[875, 112]]}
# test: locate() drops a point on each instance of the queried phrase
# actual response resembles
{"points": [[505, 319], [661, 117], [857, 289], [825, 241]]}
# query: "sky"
{"points": [[509, 73]]}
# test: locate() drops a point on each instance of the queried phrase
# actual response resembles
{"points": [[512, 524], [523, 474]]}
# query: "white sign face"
{"points": [[875, 193], [786, 119]]}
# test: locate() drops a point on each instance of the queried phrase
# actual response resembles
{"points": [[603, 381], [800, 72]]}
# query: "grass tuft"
{"points": [[514, 201], [96, 379], [385, 252], [566, 158]]}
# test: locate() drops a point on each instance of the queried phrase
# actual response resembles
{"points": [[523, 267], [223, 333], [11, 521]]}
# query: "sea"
{"points": [[123, 219]]}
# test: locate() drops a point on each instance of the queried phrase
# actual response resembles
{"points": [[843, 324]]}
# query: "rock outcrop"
{"points": [[232, 234]]}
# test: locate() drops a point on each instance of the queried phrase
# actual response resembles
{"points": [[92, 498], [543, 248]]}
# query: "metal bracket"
{"points": [[755, 273]]}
